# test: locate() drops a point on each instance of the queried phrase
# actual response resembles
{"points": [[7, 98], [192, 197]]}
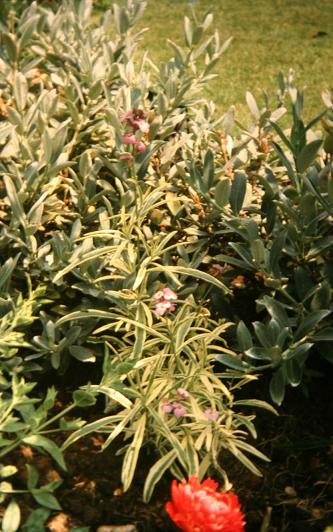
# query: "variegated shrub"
{"points": [[101, 248]]}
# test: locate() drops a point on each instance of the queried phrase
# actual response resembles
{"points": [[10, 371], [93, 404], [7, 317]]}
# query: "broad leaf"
{"points": [[47, 445]]}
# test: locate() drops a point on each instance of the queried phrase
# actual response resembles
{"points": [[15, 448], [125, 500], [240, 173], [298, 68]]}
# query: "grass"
{"points": [[269, 36]]}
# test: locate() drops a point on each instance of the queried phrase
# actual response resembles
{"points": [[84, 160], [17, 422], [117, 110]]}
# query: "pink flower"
{"points": [[166, 407], [183, 393], [169, 294], [143, 126], [164, 306], [159, 296], [160, 309], [211, 414], [129, 138], [165, 294], [141, 147], [163, 299], [199, 507], [173, 408], [179, 410]]}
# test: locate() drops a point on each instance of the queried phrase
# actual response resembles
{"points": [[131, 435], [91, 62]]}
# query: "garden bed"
{"points": [[166, 277], [295, 493]]}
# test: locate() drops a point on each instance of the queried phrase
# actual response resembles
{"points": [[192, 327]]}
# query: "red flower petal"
{"points": [[198, 507]]}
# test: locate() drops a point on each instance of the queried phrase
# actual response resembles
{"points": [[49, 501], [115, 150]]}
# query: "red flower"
{"points": [[196, 507]]}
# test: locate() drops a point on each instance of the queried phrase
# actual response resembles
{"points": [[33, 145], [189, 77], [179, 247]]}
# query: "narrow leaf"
{"points": [[20, 91], [132, 453], [237, 194], [156, 472], [193, 273]]}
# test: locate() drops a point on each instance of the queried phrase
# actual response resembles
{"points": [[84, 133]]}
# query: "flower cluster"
{"points": [[165, 301], [172, 405], [175, 407], [136, 125], [199, 507]]}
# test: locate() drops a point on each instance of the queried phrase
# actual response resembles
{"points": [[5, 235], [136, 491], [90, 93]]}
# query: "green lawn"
{"points": [[269, 36]]}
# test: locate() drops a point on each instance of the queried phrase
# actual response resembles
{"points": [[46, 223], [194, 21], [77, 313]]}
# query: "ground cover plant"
{"points": [[154, 263]]}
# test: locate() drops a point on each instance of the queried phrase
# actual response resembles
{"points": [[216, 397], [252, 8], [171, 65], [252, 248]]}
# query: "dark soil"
{"points": [[295, 493]]}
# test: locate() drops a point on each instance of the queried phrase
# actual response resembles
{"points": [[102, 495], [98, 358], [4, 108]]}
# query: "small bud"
{"points": [[141, 147], [129, 138], [183, 393]]}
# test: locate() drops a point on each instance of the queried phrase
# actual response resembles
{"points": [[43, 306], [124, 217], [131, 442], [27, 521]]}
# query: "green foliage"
{"points": [[26, 420], [84, 211], [274, 217], [130, 220]]}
